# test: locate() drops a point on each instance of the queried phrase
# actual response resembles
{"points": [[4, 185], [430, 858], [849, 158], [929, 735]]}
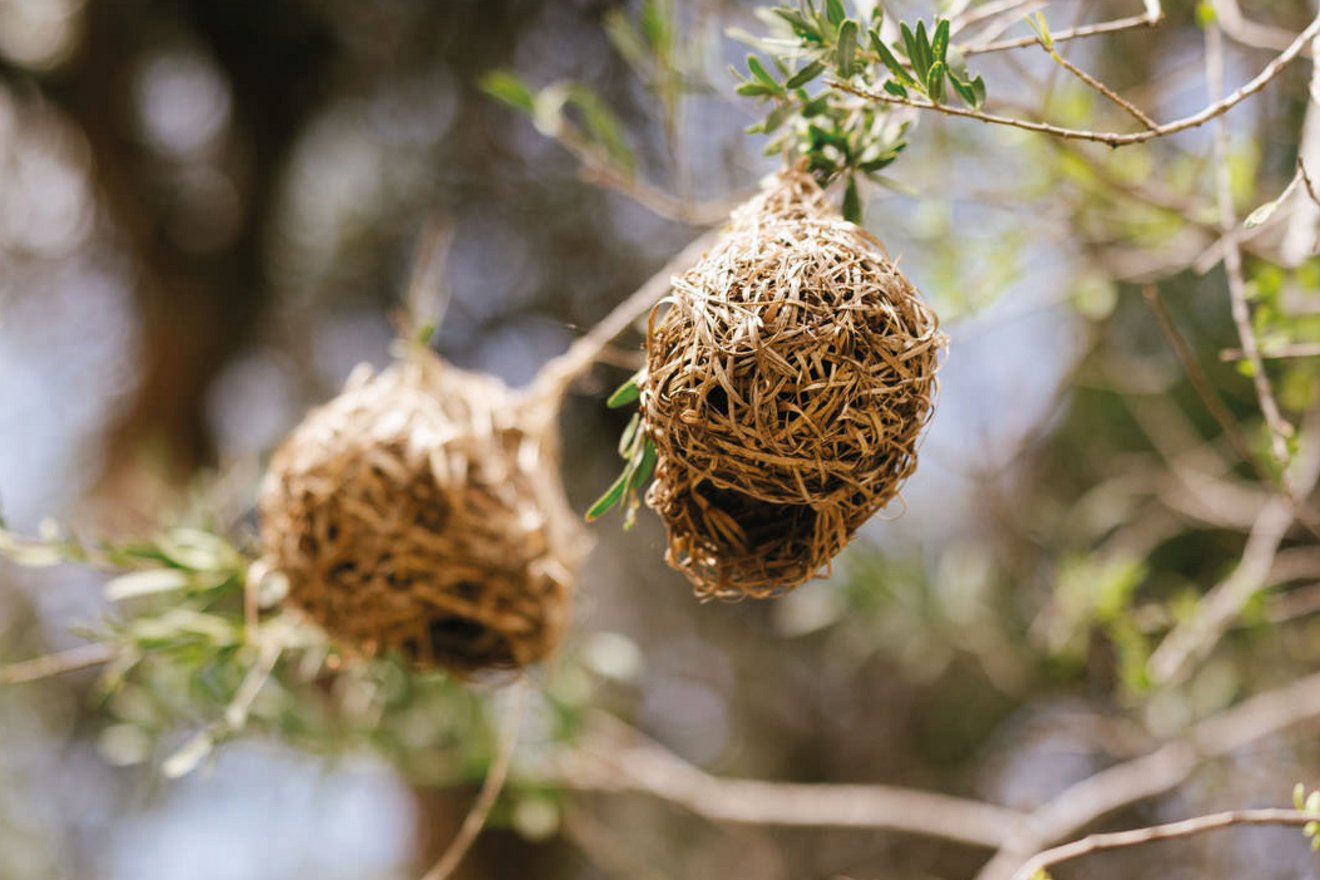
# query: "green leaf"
{"points": [[964, 91], [896, 69], [805, 75], [777, 117], [758, 71], [658, 24], [506, 86], [603, 127], [628, 391], [146, 583], [804, 29], [939, 46], [935, 81], [978, 87], [923, 47], [186, 759], [920, 62], [852, 202], [753, 90], [847, 49], [835, 12], [1038, 24], [645, 466], [629, 436], [613, 495], [815, 106], [627, 41]]}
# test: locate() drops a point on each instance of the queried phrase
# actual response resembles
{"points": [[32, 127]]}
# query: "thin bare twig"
{"points": [[1131, 109], [558, 374], [598, 170], [1238, 28], [1153, 15], [72, 660], [490, 791], [615, 758], [1306, 179], [1205, 389], [1113, 139], [1232, 256], [1293, 350], [1157, 772], [1170, 831]]}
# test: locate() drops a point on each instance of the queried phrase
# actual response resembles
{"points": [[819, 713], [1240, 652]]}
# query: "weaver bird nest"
{"points": [[421, 511], [786, 386]]}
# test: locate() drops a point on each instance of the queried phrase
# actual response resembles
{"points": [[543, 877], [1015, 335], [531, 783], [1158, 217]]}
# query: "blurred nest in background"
{"points": [[786, 387], [421, 511]]}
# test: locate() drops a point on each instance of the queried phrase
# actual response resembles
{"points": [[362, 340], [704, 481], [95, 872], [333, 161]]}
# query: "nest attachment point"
{"points": [[787, 383], [421, 511]]}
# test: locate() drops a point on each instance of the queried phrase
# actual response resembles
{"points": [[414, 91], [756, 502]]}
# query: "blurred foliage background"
{"points": [[207, 212]]}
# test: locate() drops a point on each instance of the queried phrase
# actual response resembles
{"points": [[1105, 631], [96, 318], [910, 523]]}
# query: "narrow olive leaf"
{"points": [[186, 759], [815, 106], [978, 87], [776, 118], [835, 12], [759, 71], [629, 436], [939, 44], [898, 71], [753, 90], [801, 27], [852, 202], [923, 47], [805, 75], [963, 90], [146, 583], [628, 391], [645, 466], [505, 85], [847, 49], [918, 51], [1038, 24], [603, 127], [613, 495], [658, 24], [935, 81]]}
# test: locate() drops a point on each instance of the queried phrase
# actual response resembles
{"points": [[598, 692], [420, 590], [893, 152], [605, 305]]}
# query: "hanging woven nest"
{"points": [[421, 511], [787, 384]]}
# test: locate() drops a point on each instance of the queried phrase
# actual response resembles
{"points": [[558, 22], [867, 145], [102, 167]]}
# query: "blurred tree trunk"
{"points": [[198, 306]]}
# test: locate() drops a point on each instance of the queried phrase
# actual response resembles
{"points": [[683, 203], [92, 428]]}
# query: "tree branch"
{"points": [[1157, 772], [1113, 139], [1153, 15], [558, 374], [490, 791], [615, 758], [1171, 831], [1232, 256], [72, 660]]}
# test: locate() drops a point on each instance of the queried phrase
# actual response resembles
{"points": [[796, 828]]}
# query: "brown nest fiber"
{"points": [[787, 384], [421, 511]]}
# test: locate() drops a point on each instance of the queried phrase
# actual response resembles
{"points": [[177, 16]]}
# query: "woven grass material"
{"points": [[787, 384], [421, 511]]}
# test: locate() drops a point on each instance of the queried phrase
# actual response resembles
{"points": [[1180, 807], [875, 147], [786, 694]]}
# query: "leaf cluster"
{"points": [[637, 452], [839, 134]]}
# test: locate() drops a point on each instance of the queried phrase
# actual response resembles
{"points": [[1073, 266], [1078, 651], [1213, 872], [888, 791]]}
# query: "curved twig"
{"points": [[1170, 831], [1113, 139], [490, 791]]}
